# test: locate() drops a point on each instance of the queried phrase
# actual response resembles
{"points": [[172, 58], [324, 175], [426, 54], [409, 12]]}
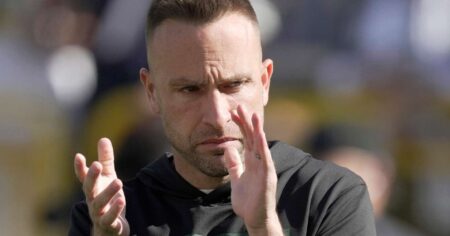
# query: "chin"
{"points": [[216, 172], [213, 164]]}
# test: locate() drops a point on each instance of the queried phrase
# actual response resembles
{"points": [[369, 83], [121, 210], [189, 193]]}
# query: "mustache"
{"points": [[212, 132]]}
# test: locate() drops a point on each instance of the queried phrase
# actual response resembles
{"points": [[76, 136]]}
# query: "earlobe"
{"points": [[266, 77], [149, 87]]}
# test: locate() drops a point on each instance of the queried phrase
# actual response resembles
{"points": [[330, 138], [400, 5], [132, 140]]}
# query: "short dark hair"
{"points": [[195, 11]]}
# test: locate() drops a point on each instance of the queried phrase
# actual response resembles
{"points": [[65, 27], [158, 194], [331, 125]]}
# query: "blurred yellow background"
{"points": [[69, 76]]}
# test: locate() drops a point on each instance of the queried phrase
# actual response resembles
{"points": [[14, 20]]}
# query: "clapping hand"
{"points": [[103, 192], [253, 180]]}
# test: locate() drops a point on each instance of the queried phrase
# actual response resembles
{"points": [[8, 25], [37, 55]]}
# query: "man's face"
{"points": [[199, 74]]}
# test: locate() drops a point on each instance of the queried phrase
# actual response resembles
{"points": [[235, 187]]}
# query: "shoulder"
{"points": [[323, 185], [328, 181], [305, 167], [321, 196], [330, 174]]}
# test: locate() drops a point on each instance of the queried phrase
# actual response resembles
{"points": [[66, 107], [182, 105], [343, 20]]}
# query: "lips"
{"points": [[218, 140]]}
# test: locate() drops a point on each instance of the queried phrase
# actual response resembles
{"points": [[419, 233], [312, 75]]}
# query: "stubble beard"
{"points": [[211, 164], [208, 164]]}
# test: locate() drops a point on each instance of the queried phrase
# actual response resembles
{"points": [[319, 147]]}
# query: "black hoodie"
{"points": [[313, 198]]}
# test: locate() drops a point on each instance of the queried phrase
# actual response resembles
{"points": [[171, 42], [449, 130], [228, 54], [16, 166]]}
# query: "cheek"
{"points": [[252, 97], [179, 117]]}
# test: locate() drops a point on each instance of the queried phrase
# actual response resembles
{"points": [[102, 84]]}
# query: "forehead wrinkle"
{"points": [[183, 81], [213, 71], [174, 82]]}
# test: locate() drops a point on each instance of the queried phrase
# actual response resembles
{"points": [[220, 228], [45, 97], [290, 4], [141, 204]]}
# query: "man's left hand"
{"points": [[253, 180]]}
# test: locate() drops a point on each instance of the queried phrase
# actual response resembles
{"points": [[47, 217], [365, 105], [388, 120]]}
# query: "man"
{"points": [[208, 83]]}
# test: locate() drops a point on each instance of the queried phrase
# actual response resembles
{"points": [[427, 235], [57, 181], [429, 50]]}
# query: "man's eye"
{"points": [[189, 89], [234, 84]]}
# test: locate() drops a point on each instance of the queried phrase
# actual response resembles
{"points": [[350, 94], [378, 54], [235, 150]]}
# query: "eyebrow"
{"points": [[184, 80], [238, 77]]}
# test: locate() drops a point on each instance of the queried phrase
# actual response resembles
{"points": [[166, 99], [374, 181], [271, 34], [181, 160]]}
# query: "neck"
{"points": [[195, 177]]}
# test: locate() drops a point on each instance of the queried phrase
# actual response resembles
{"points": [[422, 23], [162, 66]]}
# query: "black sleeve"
{"points": [[350, 214], [80, 222]]}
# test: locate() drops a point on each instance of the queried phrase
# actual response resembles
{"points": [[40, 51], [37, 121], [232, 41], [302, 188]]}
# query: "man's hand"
{"points": [[103, 192], [254, 182]]}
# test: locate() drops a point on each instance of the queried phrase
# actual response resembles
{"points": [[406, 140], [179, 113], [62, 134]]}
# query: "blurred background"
{"points": [[365, 84]]}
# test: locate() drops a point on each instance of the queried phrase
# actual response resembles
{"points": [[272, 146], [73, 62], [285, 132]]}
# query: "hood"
{"points": [[162, 177]]}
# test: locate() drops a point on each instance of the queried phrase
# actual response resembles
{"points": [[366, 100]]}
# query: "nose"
{"points": [[216, 109]]}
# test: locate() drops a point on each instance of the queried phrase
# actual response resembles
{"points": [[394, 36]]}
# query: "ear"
{"points": [[149, 87], [265, 78]]}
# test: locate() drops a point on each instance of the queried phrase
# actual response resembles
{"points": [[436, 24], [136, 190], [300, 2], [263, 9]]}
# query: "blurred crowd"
{"points": [[363, 84]]}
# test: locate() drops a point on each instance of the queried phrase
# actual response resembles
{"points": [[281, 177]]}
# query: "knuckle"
{"points": [[91, 173], [95, 205], [88, 193]]}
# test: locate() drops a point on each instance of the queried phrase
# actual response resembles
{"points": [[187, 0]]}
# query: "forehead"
{"points": [[230, 42]]}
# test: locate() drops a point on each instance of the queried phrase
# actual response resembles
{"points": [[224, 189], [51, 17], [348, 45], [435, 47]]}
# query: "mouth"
{"points": [[218, 141], [218, 146]]}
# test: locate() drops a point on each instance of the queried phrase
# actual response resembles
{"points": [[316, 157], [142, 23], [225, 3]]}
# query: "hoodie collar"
{"points": [[162, 177]]}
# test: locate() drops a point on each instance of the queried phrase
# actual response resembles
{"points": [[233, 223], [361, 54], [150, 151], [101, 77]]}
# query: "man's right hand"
{"points": [[103, 192]]}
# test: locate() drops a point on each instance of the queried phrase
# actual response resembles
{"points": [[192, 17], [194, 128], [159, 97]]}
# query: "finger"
{"points": [[236, 119], [262, 149], [91, 181], [111, 219], [246, 126], [104, 197], [254, 156], [80, 167], [234, 164], [106, 156]]}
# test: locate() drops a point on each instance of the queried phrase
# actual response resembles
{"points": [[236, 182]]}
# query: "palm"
{"points": [[252, 193], [104, 194], [104, 180], [253, 182]]}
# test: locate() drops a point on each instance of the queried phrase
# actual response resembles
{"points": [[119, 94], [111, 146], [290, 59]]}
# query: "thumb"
{"points": [[106, 156], [233, 164]]}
